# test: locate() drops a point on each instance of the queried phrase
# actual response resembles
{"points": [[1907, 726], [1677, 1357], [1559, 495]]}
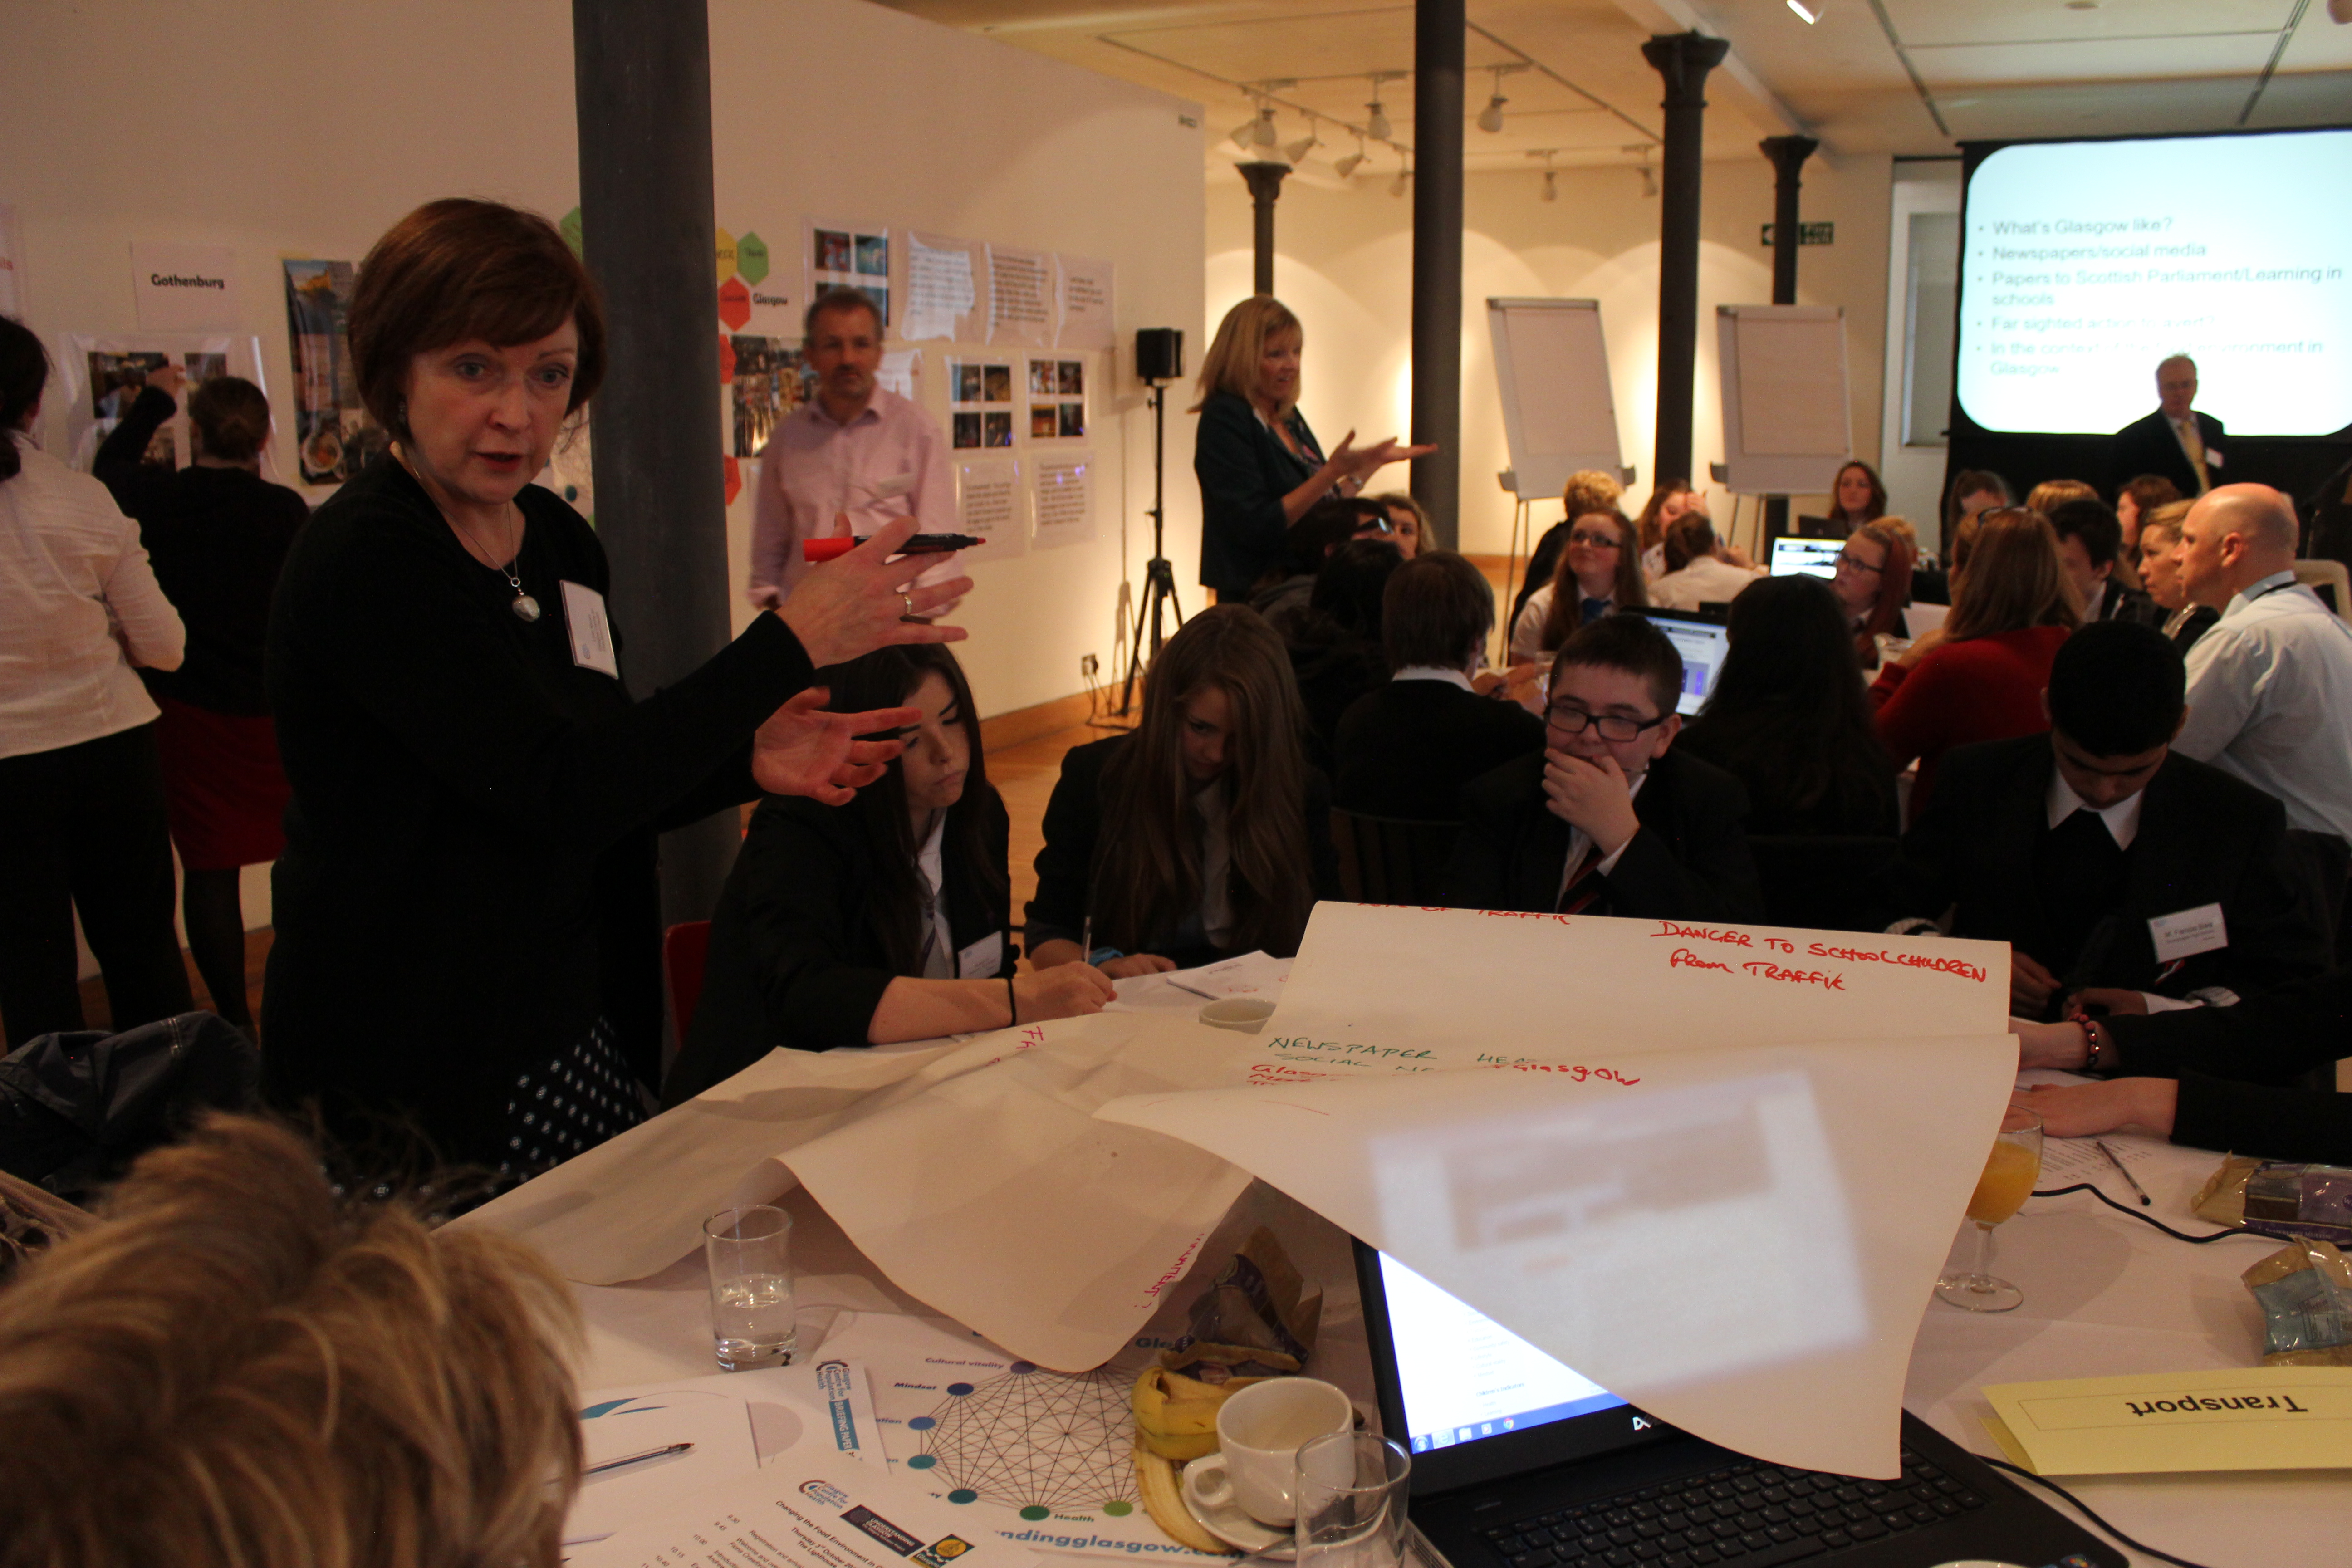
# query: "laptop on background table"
{"points": [[1702, 638], [1810, 557], [1520, 1462]]}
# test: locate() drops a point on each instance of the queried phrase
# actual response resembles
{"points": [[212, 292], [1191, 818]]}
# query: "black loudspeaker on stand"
{"points": [[1159, 360]]}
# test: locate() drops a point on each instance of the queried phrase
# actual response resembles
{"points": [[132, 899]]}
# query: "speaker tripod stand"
{"points": [[1158, 574]]}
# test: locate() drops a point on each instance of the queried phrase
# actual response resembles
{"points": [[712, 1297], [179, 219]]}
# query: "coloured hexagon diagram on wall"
{"points": [[726, 362], [735, 303], [751, 258], [573, 235], [726, 256]]}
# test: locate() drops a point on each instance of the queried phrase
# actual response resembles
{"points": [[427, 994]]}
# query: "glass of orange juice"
{"points": [[2014, 1165]]}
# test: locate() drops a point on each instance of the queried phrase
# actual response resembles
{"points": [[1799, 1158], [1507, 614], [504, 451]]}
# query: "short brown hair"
{"points": [[1589, 489], [2050, 494], [1633, 644], [232, 1368], [2014, 579], [456, 270], [232, 418], [1436, 610], [840, 297]]}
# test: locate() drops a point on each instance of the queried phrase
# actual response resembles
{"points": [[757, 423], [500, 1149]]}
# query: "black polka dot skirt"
{"points": [[568, 1103]]}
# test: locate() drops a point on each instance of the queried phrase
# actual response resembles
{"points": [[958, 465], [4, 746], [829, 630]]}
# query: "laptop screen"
{"points": [[1812, 557], [1465, 1376], [1701, 641]]}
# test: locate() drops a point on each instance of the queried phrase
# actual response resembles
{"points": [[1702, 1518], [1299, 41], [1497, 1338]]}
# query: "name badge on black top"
{"points": [[982, 957], [591, 634]]}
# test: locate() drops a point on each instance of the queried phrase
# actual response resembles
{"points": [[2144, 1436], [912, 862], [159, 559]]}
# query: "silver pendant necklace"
{"points": [[525, 607]]}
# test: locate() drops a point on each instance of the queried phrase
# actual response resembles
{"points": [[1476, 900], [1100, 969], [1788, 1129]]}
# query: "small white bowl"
{"points": [[1243, 1015]]}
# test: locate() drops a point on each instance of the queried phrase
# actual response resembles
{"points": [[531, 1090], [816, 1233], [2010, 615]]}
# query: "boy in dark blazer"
{"points": [[1405, 749], [1608, 819], [2106, 860]]}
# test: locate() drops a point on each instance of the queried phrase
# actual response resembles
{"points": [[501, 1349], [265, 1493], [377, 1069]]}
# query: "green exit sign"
{"points": [[1807, 234]]}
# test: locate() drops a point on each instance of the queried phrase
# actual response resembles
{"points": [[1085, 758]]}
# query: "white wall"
{"points": [[1344, 262], [284, 130]]}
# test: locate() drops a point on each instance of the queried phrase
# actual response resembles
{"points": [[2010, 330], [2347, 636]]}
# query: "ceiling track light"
{"points": [[1348, 165], [1550, 174], [1262, 133], [1246, 132], [1296, 152], [1378, 127], [1810, 10], [1490, 118], [1398, 187]]}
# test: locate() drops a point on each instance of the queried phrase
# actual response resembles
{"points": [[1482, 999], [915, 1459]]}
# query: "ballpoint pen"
{"points": [[1086, 940], [2101, 1145], [632, 1459]]}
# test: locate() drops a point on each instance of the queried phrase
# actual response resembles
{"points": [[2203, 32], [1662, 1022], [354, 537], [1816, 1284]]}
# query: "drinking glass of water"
{"points": [[1352, 1492], [750, 1256]]}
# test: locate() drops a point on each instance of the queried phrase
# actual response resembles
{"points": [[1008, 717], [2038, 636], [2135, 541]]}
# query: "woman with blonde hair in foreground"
{"points": [[233, 1368]]}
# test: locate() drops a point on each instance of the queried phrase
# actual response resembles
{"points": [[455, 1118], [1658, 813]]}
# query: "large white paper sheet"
{"points": [[1722, 1193]]}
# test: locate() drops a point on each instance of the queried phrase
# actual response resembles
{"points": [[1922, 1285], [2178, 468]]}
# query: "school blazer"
{"points": [[1689, 862]]}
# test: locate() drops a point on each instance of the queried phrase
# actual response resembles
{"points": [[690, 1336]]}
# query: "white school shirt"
{"points": [[939, 941], [1706, 580], [73, 575], [1579, 841], [2269, 700], [888, 462]]}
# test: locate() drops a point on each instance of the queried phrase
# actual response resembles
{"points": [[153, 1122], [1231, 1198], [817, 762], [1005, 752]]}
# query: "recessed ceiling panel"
{"points": [[1964, 66], [2095, 109], [1922, 24]]}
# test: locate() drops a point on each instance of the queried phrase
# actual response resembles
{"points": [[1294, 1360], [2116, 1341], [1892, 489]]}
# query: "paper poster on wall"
{"points": [[1065, 509], [850, 256], [1082, 301], [1020, 297], [988, 504], [11, 265], [101, 376], [184, 287], [942, 289], [1058, 400], [770, 381], [980, 403], [334, 436], [902, 373]]}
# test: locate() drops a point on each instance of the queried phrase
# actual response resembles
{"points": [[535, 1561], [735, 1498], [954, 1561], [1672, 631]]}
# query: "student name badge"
{"points": [[2187, 933], [982, 957], [592, 633]]}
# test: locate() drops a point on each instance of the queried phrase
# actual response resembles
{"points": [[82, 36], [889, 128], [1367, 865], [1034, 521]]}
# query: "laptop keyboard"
{"points": [[1748, 1514]]}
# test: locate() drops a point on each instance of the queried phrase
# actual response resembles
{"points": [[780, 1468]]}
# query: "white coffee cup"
{"points": [[1259, 1433], [1244, 1015]]}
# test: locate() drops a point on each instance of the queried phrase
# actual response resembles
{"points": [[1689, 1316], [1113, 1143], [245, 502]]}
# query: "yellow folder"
{"points": [[2263, 1418]]}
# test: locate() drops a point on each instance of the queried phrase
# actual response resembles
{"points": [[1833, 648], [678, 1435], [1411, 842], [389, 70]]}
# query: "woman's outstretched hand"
{"points": [[1362, 462], [804, 749], [849, 606]]}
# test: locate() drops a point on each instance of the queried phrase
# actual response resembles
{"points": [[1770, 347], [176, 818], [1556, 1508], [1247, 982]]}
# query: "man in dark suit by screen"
{"points": [[2105, 858], [2176, 441], [1606, 819]]}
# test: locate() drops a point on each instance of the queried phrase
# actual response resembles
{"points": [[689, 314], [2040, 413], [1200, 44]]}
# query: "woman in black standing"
{"points": [[218, 533], [464, 759], [1258, 462]]}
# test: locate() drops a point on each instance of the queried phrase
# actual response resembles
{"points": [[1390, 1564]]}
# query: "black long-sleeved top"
{"points": [[2233, 1064], [1072, 826], [795, 959], [1245, 471], [217, 538], [464, 796]]}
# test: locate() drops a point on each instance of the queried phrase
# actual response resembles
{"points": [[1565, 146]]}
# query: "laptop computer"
{"points": [[1701, 639], [1812, 557], [1521, 1462]]}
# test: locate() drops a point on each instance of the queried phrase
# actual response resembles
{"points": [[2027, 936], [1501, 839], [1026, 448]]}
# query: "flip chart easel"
{"points": [[1551, 366], [1788, 424]]}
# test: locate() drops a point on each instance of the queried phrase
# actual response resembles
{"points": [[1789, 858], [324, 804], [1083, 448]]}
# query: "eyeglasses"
{"points": [[1595, 541], [1848, 558], [1570, 720]]}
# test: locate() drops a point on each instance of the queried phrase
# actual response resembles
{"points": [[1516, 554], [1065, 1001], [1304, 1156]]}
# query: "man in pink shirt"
{"points": [[848, 461]]}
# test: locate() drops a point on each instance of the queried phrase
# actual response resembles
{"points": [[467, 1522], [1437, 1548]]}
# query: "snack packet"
{"points": [[2304, 1291], [1255, 1319], [2290, 1202]]}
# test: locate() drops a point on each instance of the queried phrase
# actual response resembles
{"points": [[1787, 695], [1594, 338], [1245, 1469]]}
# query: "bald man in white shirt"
{"points": [[2270, 685]]}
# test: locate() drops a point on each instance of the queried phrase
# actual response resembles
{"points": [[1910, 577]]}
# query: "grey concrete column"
{"points": [[641, 73], [1788, 154], [1437, 50], [1265, 181], [1683, 59]]}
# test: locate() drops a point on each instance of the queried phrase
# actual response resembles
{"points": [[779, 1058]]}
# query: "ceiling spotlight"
{"points": [[1490, 118], [1403, 179], [1263, 131], [1649, 182], [1246, 132], [1351, 162], [1376, 127], [1551, 186], [1810, 10], [1297, 150]]}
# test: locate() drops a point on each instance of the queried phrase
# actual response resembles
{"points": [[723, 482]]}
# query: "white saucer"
{"points": [[1233, 1527]]}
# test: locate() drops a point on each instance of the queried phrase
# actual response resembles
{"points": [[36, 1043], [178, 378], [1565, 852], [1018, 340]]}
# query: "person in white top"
{"points": [[81, 791], [2270, 685], [1697, 572]]}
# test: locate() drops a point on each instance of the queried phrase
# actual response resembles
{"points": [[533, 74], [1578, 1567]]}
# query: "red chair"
{"points": [[686, 951]]}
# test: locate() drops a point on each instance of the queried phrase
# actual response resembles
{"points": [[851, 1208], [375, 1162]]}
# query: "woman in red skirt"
{"points": [[218, 533]]}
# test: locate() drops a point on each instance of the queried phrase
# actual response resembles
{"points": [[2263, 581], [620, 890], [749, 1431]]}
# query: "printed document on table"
{"points": [[821, 1512], [1188, 990]]}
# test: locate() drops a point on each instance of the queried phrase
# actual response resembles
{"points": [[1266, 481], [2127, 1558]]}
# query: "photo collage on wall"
{"points": [[116, 379], [846, 259], [770, 379], [980, 403], [1058, 399], [334, 436]]}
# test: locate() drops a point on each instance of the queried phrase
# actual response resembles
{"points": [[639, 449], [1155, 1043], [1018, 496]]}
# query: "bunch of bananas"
{"points": [[1175, 1415]]}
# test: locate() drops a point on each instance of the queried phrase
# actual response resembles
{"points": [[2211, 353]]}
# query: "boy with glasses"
{"points": [[1608, 819]]}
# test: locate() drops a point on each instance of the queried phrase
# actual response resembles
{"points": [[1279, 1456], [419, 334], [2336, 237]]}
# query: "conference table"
{"points": [[2104, 1295]]}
